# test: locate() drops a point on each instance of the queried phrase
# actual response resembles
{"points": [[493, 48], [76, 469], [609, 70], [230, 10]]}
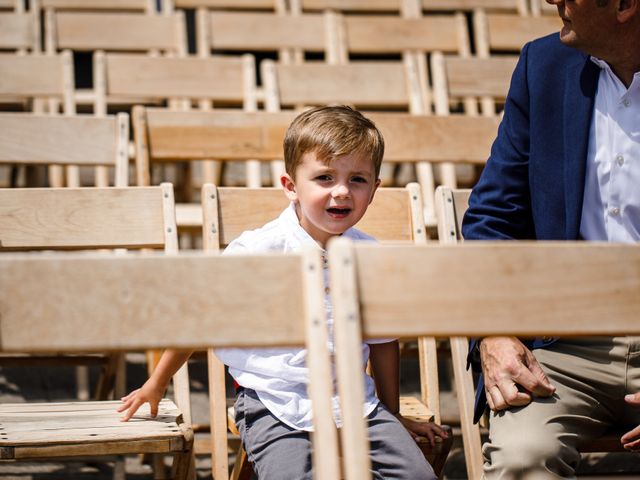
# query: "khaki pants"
{"points": [[541, 440]]}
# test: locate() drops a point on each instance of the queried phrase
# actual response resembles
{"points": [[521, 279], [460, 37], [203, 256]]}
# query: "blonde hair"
{"points": [[331, 132]]}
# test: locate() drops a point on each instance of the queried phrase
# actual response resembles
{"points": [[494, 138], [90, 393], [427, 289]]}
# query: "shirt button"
{"points": [[626, 102], [614, 211], [326, 290], [620, 160]]}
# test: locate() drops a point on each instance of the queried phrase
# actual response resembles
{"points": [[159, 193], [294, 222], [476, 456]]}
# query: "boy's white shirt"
{"points": [[279, 375]]}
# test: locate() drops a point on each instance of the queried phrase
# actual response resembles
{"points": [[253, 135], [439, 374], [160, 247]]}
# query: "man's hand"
{"points": [[507, 363], [631, 439]]}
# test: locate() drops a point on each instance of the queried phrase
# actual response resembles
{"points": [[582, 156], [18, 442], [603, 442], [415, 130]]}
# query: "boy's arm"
{"points": [[385, 367], [153, 389]]}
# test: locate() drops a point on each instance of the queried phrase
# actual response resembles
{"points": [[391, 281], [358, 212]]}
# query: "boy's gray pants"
{"points": [[279, 452]]}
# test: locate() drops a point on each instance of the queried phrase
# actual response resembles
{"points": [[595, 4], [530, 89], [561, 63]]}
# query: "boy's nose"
{"points": [[340, 191]]}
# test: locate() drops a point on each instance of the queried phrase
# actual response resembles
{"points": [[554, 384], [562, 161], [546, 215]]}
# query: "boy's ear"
{"points": [[289, 187], [375, 187]]}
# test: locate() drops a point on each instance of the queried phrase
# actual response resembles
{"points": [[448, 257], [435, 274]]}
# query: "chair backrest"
{"points": [[164, 135], [473, 289], [381, 84], [379, 34], [101, 5], [514, 6], [179, 296], [393, 216], [79, 141], [115, 31], [38, 77], [19, 31], [228, 80], [87, 218], [503, 32], [262, 31], [476, 77], [264, 5]]}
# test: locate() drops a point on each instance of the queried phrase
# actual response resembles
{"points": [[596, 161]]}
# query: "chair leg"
{"points": [[242, 469]]}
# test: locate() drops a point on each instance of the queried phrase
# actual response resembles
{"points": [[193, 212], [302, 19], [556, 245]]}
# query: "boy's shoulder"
{"points": [[271, 237]]}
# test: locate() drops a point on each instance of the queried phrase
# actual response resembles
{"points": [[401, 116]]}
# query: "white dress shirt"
{"points": [[278, 375], [611, 208]]}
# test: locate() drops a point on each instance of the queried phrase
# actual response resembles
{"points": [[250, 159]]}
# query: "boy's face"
{"points": [[331, 198]]}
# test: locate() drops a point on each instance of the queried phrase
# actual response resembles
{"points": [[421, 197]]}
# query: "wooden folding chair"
{"points": [[394, 216], [511, 6], [382, 291], [86, 219], [207, 293], [164, 136], [214, 81], [20, 31], [451, 205], [507, 33], [241, 5]]}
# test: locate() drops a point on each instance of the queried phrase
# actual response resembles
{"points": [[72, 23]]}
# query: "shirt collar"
{"points": [[635, 84]]}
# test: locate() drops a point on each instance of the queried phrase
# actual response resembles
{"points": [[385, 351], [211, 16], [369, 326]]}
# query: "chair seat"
{"points": [[34, 430]]}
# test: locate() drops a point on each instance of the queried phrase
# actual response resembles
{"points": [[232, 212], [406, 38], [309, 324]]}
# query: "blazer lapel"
{"points": [[581, 84]]}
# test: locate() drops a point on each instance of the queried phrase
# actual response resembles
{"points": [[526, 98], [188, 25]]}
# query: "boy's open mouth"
{"points": [[338, 211]]}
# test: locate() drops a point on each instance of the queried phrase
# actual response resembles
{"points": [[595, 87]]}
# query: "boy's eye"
{"points": [[359, 179], [323, 178]]}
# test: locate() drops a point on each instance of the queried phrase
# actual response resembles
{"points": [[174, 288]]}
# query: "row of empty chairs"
{"points": [[452, 303]]}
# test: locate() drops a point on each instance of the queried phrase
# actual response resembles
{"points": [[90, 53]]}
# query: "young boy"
{"points": [[332, 161]]}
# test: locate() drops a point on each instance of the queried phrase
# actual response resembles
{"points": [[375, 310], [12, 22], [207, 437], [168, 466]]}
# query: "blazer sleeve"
{"points": [[500, 204]]}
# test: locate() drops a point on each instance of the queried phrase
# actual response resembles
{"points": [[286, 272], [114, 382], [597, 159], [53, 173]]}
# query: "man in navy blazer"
{"points": [[565, 166]]}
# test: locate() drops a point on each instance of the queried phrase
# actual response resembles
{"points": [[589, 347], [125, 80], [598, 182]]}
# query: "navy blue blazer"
{"points": [[533, 183]]}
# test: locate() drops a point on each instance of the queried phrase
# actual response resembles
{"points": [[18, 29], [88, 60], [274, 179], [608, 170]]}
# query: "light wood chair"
{"points": [[41, 83], [71, 141], [181, 82], [200, 284], [451, 205], [241, 5], [145, 6], [507, 33], [475, 290], [541, 7], [114, 31], [163, 136], [436, 140], [506, 6], [86, 219], [394, 216], [20, 31]]}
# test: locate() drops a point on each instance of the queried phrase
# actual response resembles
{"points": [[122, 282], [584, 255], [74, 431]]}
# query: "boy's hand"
{"points": [[149, 392], [428, 430]]}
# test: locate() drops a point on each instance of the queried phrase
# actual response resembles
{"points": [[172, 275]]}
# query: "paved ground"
{"points": [[48, 384]]}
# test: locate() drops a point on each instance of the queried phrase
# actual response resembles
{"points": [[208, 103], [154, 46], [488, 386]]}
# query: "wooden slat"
{"points": [[362, 84], [139, 5], [511, 32], [140, 298], [508, 289], [266, 31], [115, 31], [480, 76], [21, 75], [352, 5], [207, 78], [230, 135], [436, 139], [45, 139], [468, 5], [232, 4], [16, 30], [70, 217], [377, 34]]}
